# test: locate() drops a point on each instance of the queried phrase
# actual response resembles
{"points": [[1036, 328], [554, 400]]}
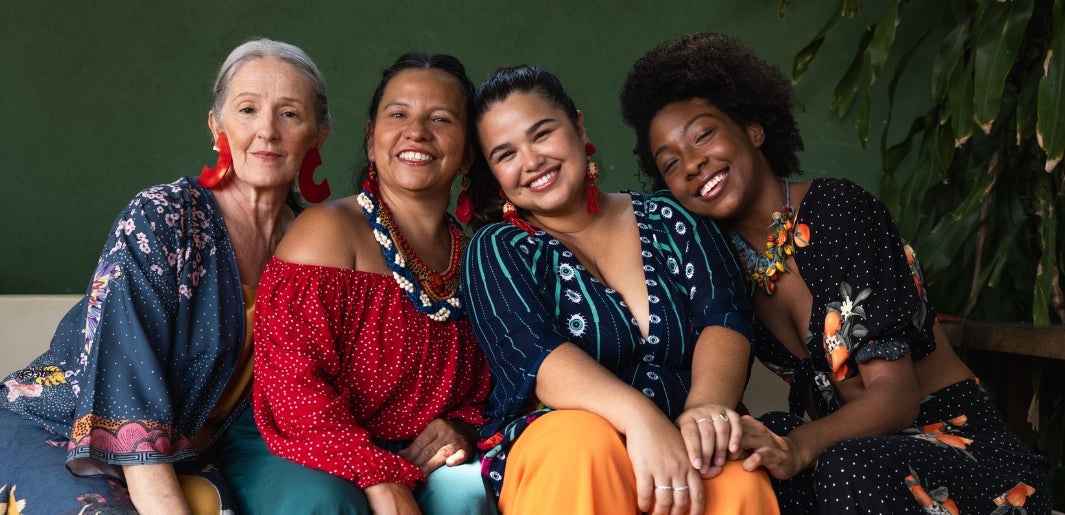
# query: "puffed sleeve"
{"points": [[868, 288], [502, 275], [302, 413]]}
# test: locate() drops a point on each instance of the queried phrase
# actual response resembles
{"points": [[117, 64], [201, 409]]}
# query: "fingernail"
{"points": [[697, 463]]}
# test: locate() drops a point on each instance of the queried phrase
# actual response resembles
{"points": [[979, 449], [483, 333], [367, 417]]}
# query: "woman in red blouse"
{"points": [[366, 367]]}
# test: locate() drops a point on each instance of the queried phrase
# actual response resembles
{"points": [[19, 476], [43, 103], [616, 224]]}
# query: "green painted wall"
{"points": [[100, 99]]}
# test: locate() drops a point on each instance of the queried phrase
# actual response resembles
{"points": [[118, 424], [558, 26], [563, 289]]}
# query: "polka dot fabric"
{"points": [[344, 359], [869, 302]]}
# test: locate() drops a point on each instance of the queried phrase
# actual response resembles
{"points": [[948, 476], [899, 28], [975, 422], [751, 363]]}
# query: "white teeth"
{"points": [[415, 156], [714, 181], [543, 180]]}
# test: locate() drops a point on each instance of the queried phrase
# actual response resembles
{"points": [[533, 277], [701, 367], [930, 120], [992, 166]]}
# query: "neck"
{"points": [[420, 217], [576, 219], [255, 212], [753, 224]]}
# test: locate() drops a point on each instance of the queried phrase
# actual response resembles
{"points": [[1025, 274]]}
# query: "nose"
{"points": [[692, 164], [267, 128], [530, 159], [418, 129]]}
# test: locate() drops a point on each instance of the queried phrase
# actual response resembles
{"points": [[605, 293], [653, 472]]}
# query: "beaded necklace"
{"points": [[439, 298], [763, 268]]}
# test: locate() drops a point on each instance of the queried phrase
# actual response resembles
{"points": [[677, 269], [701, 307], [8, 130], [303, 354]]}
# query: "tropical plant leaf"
{"points": [[999, 29], [848, 83], [1027, 110], [876, 54], [1050, 131], [949, 58], [806, 55], [1047, 245]]}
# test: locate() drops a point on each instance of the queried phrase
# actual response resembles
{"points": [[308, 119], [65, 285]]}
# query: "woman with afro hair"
{"points": [[896, 422]]}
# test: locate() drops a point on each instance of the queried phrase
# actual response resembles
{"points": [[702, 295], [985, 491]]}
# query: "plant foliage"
{"points": [[977, 180]]}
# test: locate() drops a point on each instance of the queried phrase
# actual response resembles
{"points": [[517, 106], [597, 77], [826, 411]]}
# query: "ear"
{"points": [[756, 133], [369, 140], [580, 125], [468, 157], [213, 124], [323, 135]]}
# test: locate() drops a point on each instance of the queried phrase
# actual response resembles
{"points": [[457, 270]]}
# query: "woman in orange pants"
{"points": [[614, 326]]}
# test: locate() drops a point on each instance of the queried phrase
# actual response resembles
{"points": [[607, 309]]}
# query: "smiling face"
{"points": [[535, 152], [417, 140], [709, 162], [269, 118]]}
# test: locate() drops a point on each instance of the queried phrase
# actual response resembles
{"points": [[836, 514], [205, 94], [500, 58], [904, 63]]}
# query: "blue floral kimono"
{"points": [[136, 366]]}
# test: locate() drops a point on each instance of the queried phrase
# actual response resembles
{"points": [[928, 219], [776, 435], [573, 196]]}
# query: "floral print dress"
{"points": [[869, 302]]}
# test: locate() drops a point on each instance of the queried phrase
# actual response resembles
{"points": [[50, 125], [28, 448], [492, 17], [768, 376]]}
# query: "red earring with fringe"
{"points": [[591, 192], [510, 214]]}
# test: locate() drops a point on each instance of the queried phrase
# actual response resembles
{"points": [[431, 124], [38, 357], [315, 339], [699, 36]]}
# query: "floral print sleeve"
{"points": [[137, 365], [869, 300]]}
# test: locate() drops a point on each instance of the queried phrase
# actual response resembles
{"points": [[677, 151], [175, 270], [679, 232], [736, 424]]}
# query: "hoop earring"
{"points": [[510, 214], [313, 193], [211, 176], [463, 204]]}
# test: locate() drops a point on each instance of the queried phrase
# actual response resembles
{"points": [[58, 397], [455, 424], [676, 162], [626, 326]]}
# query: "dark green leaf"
{"points": [[1050, 130], [999, 29], [848, 84]]}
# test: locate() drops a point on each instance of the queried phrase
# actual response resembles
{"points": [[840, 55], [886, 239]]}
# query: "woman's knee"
{"points": [[458, 490]]}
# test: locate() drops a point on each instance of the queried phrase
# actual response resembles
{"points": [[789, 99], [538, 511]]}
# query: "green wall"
{"points": [[100, 99]]}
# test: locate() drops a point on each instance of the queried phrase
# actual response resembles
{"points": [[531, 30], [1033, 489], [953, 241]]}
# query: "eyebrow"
{"points": [[528, 132], [687, 126]]}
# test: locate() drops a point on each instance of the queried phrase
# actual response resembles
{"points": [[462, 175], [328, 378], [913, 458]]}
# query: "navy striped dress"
{"points": [[526, 295]]}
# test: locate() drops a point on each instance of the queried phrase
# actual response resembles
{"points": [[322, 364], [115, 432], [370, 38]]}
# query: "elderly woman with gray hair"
{"points": [[148, 370]]}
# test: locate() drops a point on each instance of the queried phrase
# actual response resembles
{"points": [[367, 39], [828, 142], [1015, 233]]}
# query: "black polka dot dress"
{"points": [[869, 302]]}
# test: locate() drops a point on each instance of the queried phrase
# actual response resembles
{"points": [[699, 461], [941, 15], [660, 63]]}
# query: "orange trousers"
{"points": [[575, 462]]}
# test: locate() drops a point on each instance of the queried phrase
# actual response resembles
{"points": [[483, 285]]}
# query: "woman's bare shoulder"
{"points": [[325, 235]]}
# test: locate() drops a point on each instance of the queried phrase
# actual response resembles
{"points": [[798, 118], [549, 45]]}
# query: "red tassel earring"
{"points": [[510, 214], [463, 204], [370, 183], [210, 177], [591, 192], [314, 193]]}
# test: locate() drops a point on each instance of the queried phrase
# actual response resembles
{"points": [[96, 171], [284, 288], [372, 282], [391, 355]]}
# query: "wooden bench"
{"points": [[1018, 347]]}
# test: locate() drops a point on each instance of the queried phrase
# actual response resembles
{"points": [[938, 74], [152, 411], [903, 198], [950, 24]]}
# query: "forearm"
{"points": [[888, 403], [719, 368], [569, 378], [155, 489]]}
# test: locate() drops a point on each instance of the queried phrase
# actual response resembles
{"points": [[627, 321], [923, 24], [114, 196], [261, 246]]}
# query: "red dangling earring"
{"points": [[591, 192], [510, 214], [210, 177], [370, 184], [314, 193], [463, 204]]}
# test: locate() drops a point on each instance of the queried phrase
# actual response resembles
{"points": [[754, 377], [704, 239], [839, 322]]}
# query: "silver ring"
{"points": [[663, 487], [704, 419], [680, 488], [722, 416]]}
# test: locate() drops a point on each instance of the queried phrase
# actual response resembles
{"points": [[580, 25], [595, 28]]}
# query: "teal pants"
{"points": [[264, 483]]}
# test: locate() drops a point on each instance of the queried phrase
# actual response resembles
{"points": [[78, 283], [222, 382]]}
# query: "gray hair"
{"points": [[261, 48]]}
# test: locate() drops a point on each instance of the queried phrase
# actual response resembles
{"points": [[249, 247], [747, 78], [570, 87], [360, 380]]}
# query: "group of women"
{"points": [[568, 351]]}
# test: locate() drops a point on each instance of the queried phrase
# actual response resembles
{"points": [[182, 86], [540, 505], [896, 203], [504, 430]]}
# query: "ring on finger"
{"points": [[680, 488], [704, 419], [663, 487], [721, 416]]}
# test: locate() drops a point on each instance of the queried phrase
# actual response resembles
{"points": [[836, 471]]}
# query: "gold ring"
{"points": [[722, 416]]}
